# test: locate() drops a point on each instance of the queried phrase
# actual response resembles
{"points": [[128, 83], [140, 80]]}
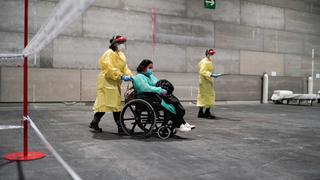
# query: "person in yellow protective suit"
{"points": [[113, 69], [206, 93]]}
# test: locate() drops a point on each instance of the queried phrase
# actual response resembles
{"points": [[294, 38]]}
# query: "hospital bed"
{"points": [[279, 96]]}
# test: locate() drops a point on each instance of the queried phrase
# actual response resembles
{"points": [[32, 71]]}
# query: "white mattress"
{"points": [[279, 95]]}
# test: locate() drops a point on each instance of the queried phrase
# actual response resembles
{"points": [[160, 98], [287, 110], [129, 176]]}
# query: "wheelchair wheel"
{"points": [[173, 132], [164, 132], [138, 118], [172, 128]]}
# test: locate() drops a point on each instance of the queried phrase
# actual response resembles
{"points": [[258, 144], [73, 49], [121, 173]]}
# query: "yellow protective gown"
{"points": [[113, 65], [206, 93]]}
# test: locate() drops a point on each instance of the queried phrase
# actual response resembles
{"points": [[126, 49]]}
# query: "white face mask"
{"points": [[121, 47]]}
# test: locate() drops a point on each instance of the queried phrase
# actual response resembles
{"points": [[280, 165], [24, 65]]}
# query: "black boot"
{"points": [[116, 116], [95, 122], [95, 126], [208, 114], [200, 113]]}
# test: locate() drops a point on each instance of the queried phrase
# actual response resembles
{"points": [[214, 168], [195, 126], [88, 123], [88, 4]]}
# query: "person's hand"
{"points": [[163, 92], [126, 78], [215, 75]]}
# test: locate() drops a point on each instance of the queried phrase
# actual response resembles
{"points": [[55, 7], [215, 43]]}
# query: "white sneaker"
{"points": [[190, 126], [183, 128]]}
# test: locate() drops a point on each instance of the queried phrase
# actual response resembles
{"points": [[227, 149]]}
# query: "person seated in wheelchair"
{"points": [[147, 86]]}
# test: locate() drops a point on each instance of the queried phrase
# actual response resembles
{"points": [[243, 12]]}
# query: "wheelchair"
{"points": [[144, 116]]}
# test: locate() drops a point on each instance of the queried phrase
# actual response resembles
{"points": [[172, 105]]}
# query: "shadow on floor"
{"points": [[105, 135], [222, 118], [5, 163], [19, 168], [20, 171]]}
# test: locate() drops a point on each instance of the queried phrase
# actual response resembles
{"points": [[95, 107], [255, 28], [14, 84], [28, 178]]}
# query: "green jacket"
{"points": [[143, 83]]}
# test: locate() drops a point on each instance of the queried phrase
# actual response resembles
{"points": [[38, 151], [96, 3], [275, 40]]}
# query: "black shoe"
{"points": [[208, 114], [201, 114], [95, 126], [121, 132]]}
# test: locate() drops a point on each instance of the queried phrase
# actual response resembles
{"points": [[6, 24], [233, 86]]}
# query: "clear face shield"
{"points": [[122, 47]]}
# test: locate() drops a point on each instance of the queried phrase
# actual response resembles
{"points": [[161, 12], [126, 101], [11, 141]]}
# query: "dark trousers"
{"points": [[176, 119], [155, 100], [180, 111], [98, 115]]}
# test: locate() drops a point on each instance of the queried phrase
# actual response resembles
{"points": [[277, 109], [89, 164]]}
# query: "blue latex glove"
{"points": [[126, 78], [215, 75], [163, 92]]}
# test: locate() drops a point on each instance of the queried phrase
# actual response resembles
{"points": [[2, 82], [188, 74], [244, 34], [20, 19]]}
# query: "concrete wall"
{"points": [[44, 85], [251, 37], [296, 84], [52, 85], [271, 63]]}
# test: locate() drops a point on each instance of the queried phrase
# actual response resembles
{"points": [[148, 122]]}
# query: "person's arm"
{"points": [[108, 68], [127, 71], [154, 80], [203, 70], [141, 85]]}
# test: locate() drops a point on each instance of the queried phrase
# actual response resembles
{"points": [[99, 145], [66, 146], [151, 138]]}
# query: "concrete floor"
{"points": [[247, 141]]}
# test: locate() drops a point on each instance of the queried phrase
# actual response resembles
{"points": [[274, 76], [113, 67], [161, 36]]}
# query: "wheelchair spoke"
{"points": [[128, 119], [133, 111], [138, 118], [144, 119], [145, 124], [132, 129]]}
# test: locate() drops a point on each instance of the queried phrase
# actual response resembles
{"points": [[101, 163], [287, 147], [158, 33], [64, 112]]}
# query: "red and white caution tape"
{"points": [[71, 172], [2, 127], [11, 56]]}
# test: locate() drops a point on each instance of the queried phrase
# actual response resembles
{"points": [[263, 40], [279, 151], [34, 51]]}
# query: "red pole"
{"points": [[153, 17], [25, 155], [25, 84]]}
